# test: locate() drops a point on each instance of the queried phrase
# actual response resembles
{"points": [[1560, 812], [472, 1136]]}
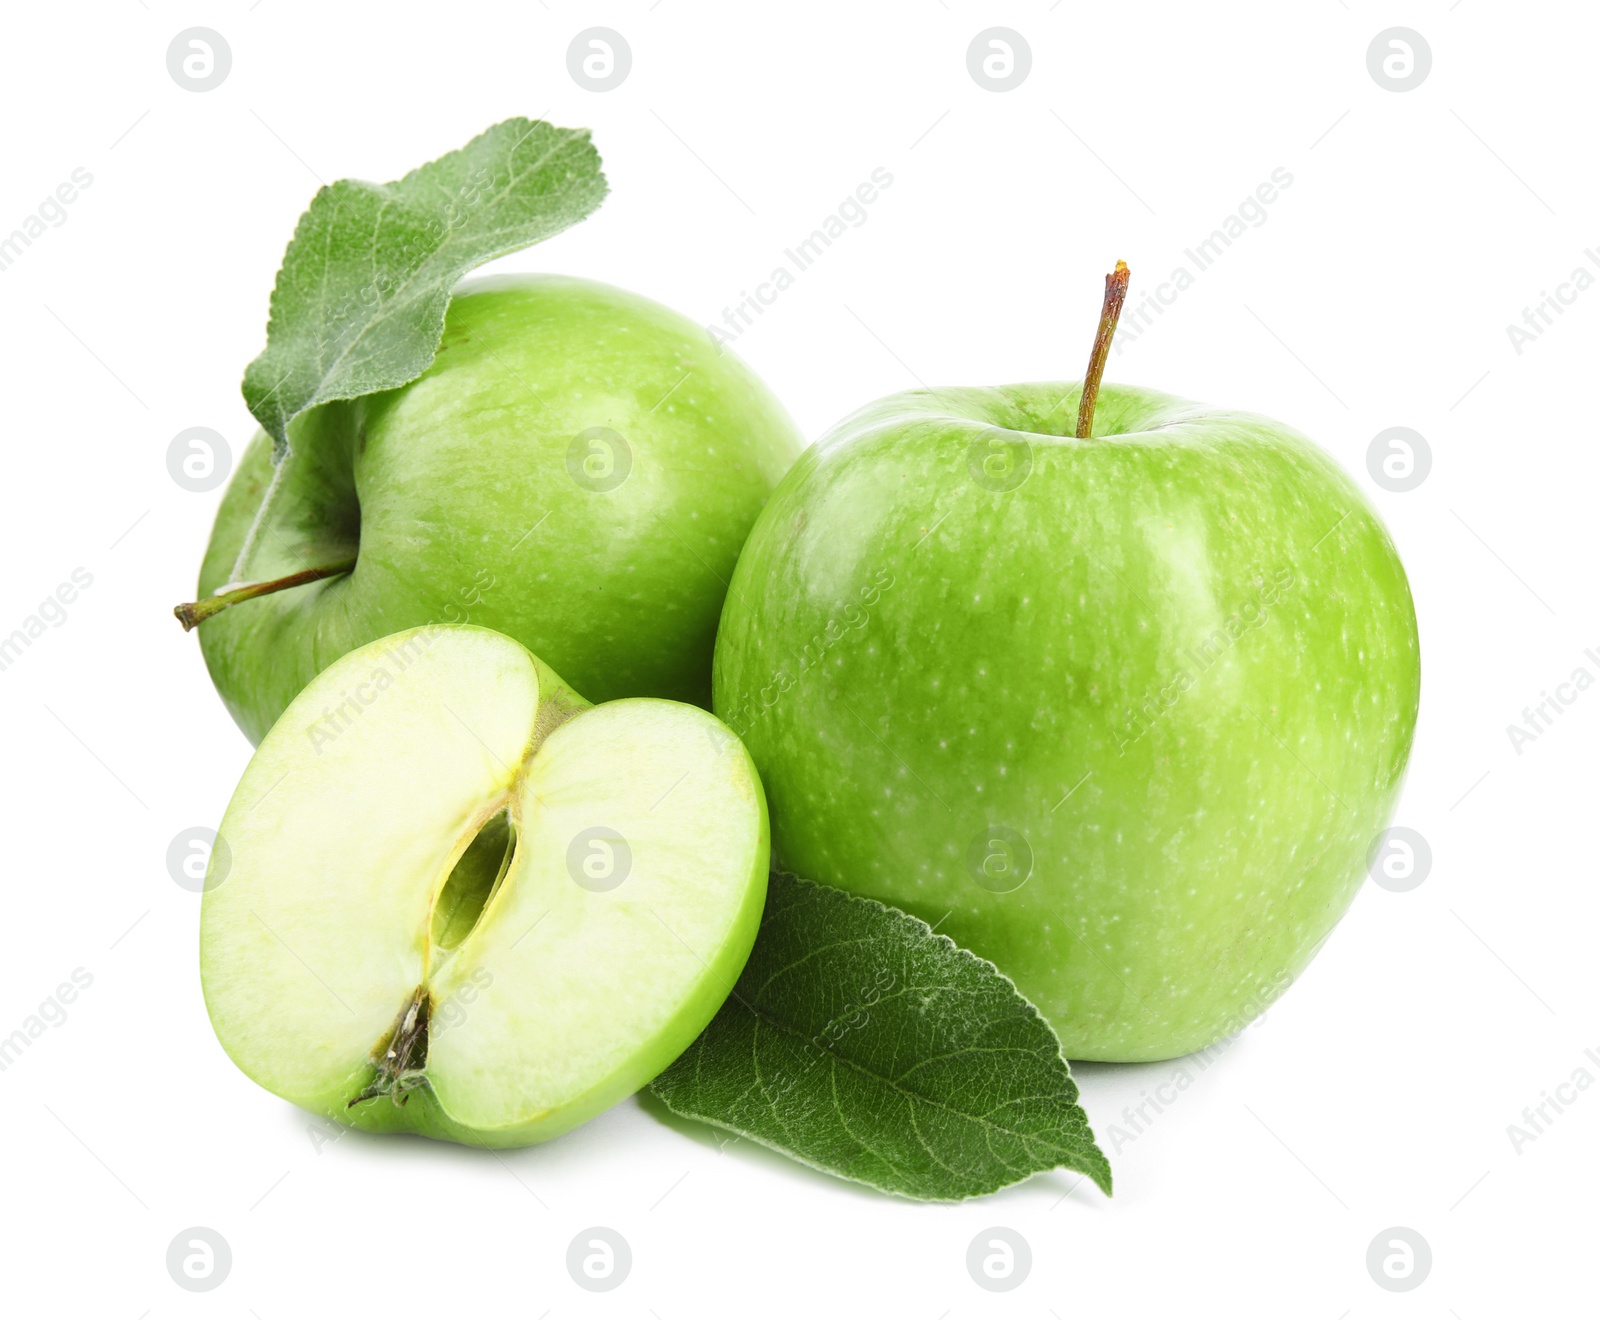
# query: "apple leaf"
{"points": [[359, 302], [860, 1042]]}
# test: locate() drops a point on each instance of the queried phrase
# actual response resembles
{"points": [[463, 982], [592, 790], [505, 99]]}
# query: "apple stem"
{"points": [[1110, 310], [198, 611]]}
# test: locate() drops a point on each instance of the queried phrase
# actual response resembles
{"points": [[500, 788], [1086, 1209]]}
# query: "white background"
{"points": [[1376, 294]]}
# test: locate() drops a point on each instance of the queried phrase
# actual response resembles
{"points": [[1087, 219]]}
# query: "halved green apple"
{"points": [[450, 896]]}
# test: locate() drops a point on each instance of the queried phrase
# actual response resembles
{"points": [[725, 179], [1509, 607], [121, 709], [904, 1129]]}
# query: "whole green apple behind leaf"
{"points": [[1122, 714], [577, 469], [472, 905]]}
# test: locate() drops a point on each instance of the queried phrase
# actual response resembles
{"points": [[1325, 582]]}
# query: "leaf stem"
{"points": [[198, 611], [1110, 310], [248, 545]]}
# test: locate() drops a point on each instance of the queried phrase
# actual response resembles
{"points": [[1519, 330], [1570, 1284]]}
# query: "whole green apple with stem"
{"points": [[578, 469], [477, 908], [1119, 705]]}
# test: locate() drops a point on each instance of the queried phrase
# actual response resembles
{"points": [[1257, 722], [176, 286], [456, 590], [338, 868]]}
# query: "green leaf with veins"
{"points": [[860, 1042], [360, 299]]}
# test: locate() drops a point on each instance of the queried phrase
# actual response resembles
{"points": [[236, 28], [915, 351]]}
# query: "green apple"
{"points": [[578, 469], [1122, 713], [451, 897]]}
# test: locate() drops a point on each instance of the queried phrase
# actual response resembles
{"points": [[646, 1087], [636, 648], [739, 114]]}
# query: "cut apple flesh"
{"points": [[449, 896]]}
